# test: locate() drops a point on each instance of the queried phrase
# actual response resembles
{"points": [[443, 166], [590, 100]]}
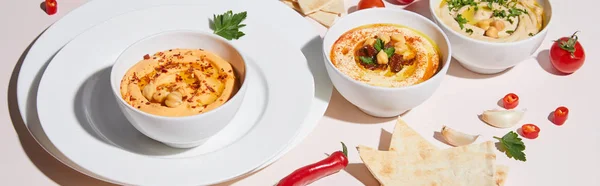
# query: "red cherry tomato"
{"points": [[560, 115], [510, 101], [567, 54], [530, 131], [405, 2], [364, 4], [51, 7]]}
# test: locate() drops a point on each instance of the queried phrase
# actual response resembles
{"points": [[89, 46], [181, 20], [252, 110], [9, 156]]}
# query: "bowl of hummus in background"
{"points": [[180, 87], [488, 36], [386, 61]]}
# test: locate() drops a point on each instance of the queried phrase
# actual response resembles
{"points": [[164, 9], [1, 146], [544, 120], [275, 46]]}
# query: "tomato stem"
{"points": [[569, 45]]}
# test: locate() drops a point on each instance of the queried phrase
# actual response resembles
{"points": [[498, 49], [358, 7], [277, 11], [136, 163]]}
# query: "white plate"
{"points": [[81, 119], [305, 39]]}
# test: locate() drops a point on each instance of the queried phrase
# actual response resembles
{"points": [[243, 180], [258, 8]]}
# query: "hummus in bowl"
{"points": [[386, 61], [386, 55], [178, 82], [490, 36], [180, 87], [493, 20]]}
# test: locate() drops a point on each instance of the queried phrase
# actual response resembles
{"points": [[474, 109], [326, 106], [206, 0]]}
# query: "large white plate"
{"points": [[287, 22], [80, 117]]}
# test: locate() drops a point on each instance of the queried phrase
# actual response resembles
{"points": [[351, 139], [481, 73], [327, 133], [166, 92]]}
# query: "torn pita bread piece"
{"points": [[405, 140], [311, 6], [455, 167], [294, 5], [471, 165], [336, 7], [325, 18]]}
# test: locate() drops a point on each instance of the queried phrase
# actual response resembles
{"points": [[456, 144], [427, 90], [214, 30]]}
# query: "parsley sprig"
{"points": [[228, 25], [512, 146], [461, 21]]}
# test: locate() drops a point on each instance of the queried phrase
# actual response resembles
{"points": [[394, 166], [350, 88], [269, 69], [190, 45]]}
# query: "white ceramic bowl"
{"points": [[488, 57], [384, 101], [187, 131]]}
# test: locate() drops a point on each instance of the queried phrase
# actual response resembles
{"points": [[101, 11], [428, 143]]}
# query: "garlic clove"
{"points": [[502, 118], [456, 138]]}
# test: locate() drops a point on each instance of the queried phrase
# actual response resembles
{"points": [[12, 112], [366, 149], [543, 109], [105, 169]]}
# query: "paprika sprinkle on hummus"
{"points": [[178, 82]]}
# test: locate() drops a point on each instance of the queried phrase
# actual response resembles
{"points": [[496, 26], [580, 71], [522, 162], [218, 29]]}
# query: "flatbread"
{"points": [[410, 154], [336, 7], [454, 167], [293, 4], [413, 143], [311, 6], [325, 18]]}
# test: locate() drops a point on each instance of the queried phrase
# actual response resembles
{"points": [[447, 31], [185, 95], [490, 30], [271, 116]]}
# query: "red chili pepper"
{"points": [[560, 115], [310, 173], [510, 101], [51, 7], [530, 131]]}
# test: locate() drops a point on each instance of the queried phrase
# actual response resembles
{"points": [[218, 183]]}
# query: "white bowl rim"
{"points": [[545, 29], [191, 117], [446, 64]]}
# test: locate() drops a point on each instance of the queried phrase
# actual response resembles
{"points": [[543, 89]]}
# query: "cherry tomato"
{"points": [[530, 131], [567, 54], [405, 2], [364, 4], [510, 101], [560, 115], [51, 7]]}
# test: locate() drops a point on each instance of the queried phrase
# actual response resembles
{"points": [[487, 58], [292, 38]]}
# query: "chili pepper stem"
{"points": [[344, 149]]}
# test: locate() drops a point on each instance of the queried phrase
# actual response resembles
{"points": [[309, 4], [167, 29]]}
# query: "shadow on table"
{"points": [[339, 108], [46, 163]]}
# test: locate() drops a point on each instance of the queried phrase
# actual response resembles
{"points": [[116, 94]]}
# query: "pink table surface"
{"points": [[24, 162]]}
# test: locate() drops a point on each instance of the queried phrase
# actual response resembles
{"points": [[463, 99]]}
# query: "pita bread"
{"points": [[457, 166], [336, 7], [469, 165], [325, 18], [311, 6], [413, 143], [293, 4]]}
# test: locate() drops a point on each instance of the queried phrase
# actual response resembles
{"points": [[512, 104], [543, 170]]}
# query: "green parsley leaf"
{"points": [[510, 31], [490, 5], [460, 20], [378, 44], [469, 31], [227, 25], [499, 13], [512, 146], [530, 34], [366, 60], [389, 51]]}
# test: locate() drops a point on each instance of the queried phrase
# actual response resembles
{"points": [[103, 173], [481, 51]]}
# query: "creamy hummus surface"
{"points": [[178, 82], [386, 55], [493, 20]]}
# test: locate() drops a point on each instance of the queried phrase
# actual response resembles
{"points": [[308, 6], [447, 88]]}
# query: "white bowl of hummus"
{"points": [[180, 87], [490, 36], [386, 61]]}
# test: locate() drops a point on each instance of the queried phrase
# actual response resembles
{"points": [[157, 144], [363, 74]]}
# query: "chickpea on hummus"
{"points": [[493, 20], [386, 55], [178, 82]]}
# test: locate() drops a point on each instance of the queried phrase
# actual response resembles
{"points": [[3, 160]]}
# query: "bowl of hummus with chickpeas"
{"points": [[179, 87], [386, 61], [490, 36]]}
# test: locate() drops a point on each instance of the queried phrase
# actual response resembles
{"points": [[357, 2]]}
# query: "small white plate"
{"points": [[84, 124]]}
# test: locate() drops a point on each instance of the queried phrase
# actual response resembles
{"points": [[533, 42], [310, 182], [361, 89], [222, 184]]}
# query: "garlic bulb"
{"points": [[456, 138], [502, 118]]}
